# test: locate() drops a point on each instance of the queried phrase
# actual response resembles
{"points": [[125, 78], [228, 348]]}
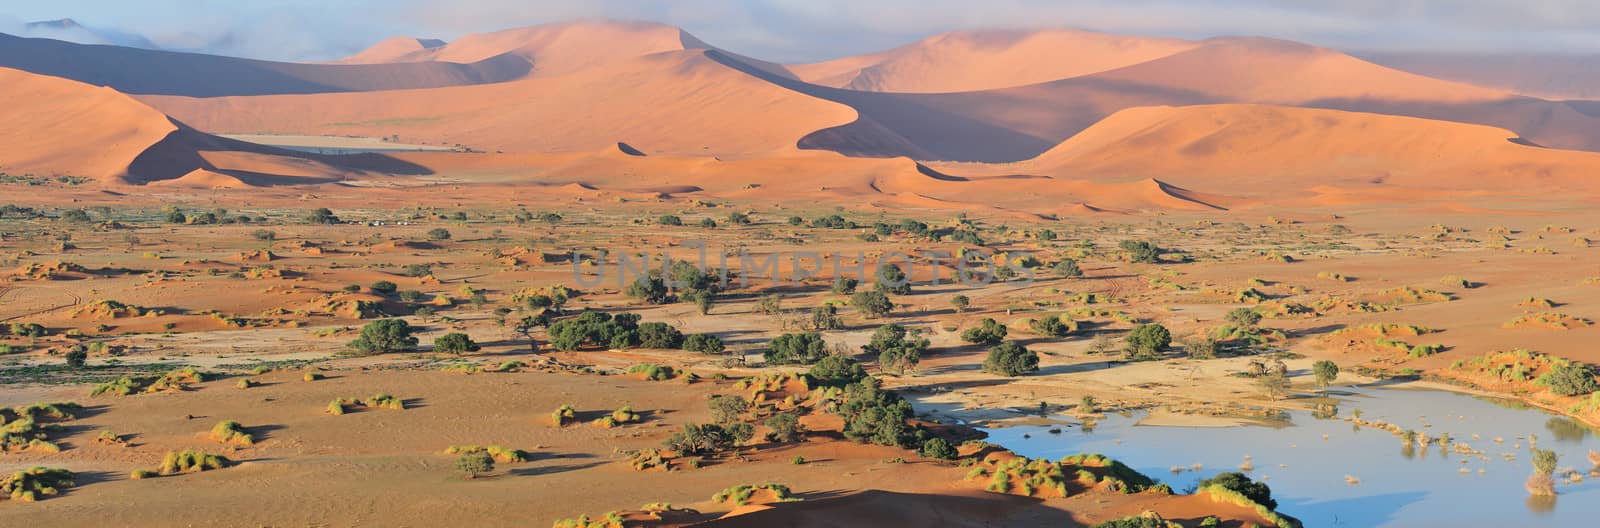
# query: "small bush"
{"points": [[455, 343], [498, 453], [988, 332], [703, 343], [191, 461], [474, 464], [231, 433], [938, 448], [563, 415], [35, 483], [741, 495]]}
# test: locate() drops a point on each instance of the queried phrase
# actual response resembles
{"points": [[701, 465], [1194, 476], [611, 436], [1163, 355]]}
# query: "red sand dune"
{"points": [[55, 126], [984, 60], [1258, 149], [392, 49], [1012, 124], [677, 102], [554, 49]]}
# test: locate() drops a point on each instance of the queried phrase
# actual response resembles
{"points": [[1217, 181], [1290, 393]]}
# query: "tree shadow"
{"points": [[551, 470]]}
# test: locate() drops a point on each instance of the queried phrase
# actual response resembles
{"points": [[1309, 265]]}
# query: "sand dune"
{"points": [[1546, 75], [554, 49], [984, 60], [141, 71], [392, 49], [1012, 124], [677, 102], [1262, 149], [55, 126]]}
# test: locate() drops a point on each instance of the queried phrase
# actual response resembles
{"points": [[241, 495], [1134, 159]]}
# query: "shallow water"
{"points": [[1398, 486]]}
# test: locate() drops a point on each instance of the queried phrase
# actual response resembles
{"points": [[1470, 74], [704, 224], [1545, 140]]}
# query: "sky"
{"points": [[811, 30]]}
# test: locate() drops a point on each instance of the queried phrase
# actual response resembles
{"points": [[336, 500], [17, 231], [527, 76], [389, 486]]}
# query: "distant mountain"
{"points": [[71, 31]]}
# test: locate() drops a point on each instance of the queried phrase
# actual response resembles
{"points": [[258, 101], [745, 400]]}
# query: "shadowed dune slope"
{"points": [[54, 126], [675, 102], [140, 71], [1018, 123], [1259, 149], [1546, 75], [984, 60]]}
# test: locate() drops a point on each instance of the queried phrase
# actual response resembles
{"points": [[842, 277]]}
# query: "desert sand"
{"points": [[1404, 226]]}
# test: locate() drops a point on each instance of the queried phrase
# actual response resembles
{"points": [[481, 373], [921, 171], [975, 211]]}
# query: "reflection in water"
{"points": [[1329, 473], [1541, 505], [1567, 430]]}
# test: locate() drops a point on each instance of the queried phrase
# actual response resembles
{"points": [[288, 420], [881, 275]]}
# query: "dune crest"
{"points": [[556, 49], [60, 127], [392, 49], [964, 61], [1260, 148]]}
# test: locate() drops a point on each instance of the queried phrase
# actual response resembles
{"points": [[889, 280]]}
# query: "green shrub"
{"points": [[872, 304], [474, 464], [703, 343], [35, 483], [385, 336], [1141, 251], [1257, 492], [938, 448], [785, 428], [384, 287], [659, 335], [231, 433], [1569, 379], [709, 439], [741, 495], [988, 332], [455, 343], [563, 415], [191, 461], [896, 348], [1011, 359], [837, 370], [1147, 341], [497, 453], [789, 349], [593, 328]]}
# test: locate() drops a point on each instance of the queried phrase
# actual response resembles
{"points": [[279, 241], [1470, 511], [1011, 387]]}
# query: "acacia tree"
{"points": [[1147, 341], [383, 336], [1325, 372], [1011, 359], [988, 332], [896, 348], [528, 324], [455, 343], [872, 304]]}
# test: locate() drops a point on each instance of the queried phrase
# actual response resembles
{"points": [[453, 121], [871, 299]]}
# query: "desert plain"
{"points": [[1079, 226]]}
